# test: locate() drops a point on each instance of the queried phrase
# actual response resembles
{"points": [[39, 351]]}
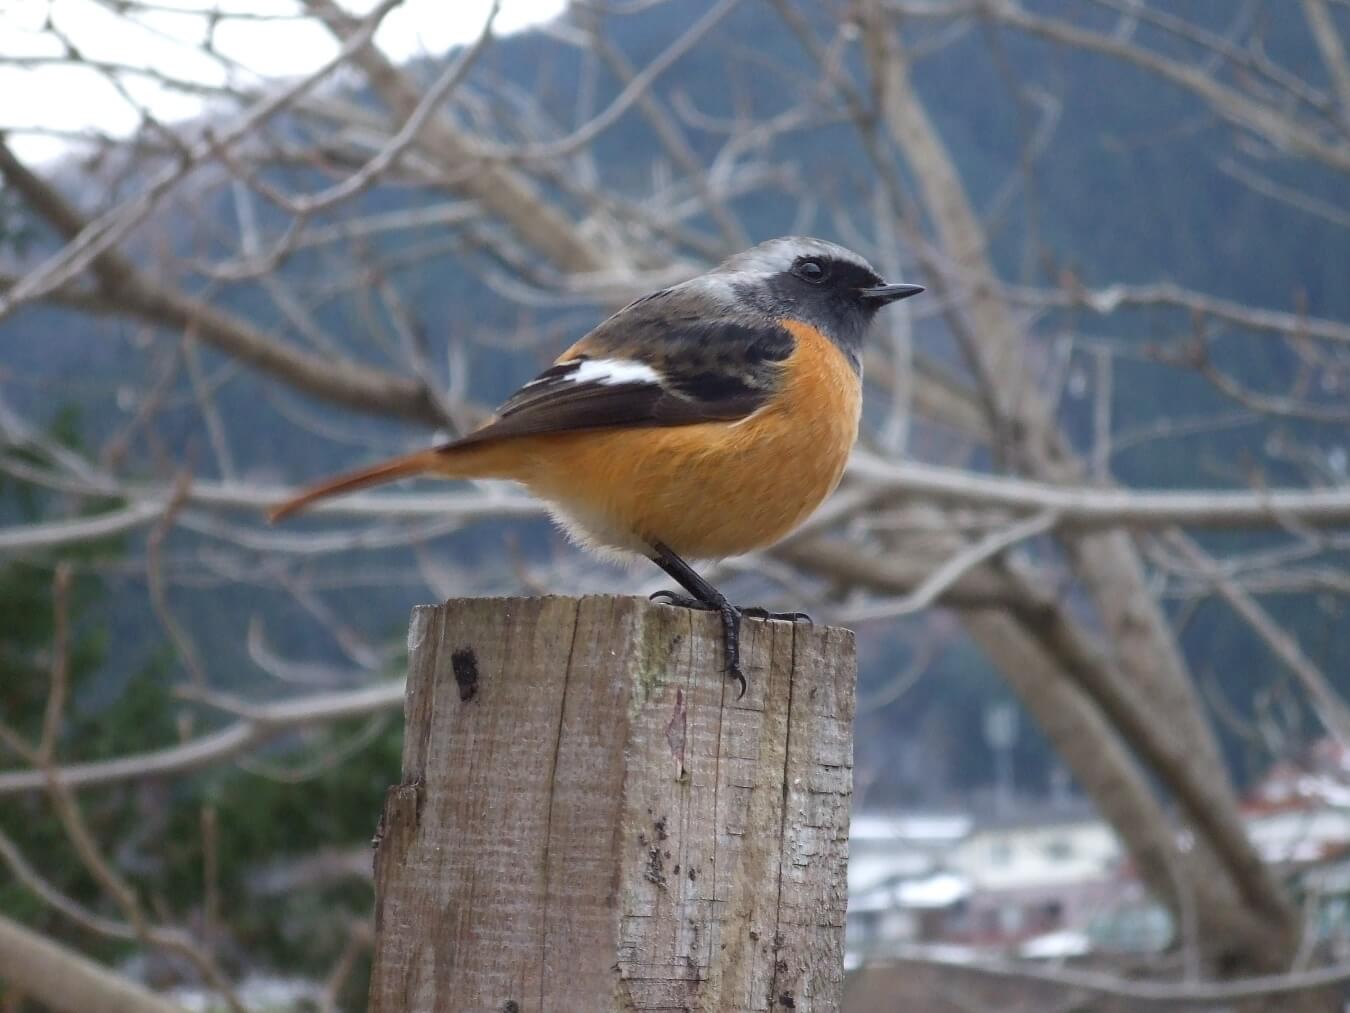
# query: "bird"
{"points": [[701, 421]]}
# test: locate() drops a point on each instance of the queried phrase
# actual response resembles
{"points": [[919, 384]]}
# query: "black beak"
{"points": [[884, 294]]}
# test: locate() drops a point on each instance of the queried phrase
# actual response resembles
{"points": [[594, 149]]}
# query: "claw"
{"points": [[731, 638], [740, 681], [678, 600], [731, 625], [759, 612]]}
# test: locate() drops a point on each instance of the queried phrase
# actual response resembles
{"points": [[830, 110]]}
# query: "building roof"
{"points": [[942, 889], [916, 827]]}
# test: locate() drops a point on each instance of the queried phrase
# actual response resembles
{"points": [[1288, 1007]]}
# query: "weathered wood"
{"points": [[589, 819]]}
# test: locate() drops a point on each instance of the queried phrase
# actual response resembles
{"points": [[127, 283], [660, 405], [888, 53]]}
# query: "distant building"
{"points": [[884, 847], [896, 882], [1043, 848], [1033, 874], [1300, 812], [946, 879], [1045, 883], [1298, 816], [1054, 881]]}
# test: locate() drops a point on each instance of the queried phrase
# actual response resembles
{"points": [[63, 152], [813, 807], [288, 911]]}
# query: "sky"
{"points": [[162, 36]]}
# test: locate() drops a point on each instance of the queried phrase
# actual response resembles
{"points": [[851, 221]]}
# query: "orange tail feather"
{"points": [[386, 471], [466, 459]]}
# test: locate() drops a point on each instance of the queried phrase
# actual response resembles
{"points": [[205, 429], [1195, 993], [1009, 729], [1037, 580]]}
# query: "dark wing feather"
{"points": [[706, 371]]}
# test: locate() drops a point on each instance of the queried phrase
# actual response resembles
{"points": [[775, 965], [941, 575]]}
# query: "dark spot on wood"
{"points": [[464, 663], [676, 871], [787, 1000], [660, 826], [754, 935], [655, 871], [510, 1006], [780, 967], [693, 874]]}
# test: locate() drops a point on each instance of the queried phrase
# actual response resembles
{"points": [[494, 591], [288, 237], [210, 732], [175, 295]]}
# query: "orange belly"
{"points": [[713, 489]]}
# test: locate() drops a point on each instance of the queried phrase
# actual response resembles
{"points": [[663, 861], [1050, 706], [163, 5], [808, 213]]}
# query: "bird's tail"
{"points": [[468, 460]]}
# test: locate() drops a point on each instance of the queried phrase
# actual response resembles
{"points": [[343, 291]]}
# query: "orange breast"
{"points": [[713, 489]]}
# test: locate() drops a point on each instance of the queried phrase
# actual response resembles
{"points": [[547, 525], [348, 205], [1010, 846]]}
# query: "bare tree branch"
{"points": [[1326, 702], [123, 290], [1332, 47], [1166, 993], [1241, 110], [944, 576], [1107, 300], [1072, 508], [265, 723], [1087, 508], [66, 981], [85, 248], [502, 191]]}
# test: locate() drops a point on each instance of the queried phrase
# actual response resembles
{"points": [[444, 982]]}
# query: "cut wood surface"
{"points": [[590, 820]]}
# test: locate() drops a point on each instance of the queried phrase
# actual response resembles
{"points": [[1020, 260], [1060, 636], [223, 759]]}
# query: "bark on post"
{"points": [[589, 819]]}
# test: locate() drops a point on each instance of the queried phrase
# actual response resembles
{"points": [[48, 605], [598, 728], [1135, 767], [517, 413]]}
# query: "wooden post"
{"points": [[589, 819]]}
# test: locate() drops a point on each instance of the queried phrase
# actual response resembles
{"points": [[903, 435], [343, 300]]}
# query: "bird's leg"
{"points": [[707, 596]]}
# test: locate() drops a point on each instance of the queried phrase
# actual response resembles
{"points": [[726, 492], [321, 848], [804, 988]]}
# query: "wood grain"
{"points": [[589, 820]]}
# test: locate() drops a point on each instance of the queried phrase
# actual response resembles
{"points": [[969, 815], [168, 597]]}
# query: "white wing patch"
{"points": [[612, 371]]}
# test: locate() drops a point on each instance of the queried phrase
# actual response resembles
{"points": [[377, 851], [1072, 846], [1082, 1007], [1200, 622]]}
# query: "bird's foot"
{"points": [[731, 624], [686, 601], [731, 629]]}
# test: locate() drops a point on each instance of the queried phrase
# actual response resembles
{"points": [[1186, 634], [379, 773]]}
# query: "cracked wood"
{"points": [[601, 825]]}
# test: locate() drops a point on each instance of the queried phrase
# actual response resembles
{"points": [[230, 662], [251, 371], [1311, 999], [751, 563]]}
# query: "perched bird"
{"points": [[701, 421]]}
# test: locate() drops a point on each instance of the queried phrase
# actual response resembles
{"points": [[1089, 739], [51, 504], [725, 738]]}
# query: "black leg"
{"points": [[684, 575]]}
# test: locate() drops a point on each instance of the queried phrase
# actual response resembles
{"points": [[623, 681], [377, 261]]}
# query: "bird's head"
{"points": [[812, 280]]}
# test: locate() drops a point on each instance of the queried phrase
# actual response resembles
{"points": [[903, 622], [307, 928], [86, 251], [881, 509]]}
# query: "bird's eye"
{"points": [[810, 270]]}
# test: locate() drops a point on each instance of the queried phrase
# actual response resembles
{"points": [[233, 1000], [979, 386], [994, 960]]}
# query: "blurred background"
{"points": [[1094, 540]]}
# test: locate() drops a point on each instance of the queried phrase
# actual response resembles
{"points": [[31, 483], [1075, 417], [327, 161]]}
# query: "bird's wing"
{"points": [[649, 366], [658, 362]]}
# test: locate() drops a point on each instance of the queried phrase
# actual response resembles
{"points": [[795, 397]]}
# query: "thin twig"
{"points": [[956, 567]]}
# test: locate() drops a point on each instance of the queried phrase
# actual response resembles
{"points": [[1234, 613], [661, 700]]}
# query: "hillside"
{"points": [[1131, 187]]}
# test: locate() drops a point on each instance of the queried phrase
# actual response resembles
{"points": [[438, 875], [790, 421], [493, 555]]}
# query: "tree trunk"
{"points": [[1149, 671]]}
